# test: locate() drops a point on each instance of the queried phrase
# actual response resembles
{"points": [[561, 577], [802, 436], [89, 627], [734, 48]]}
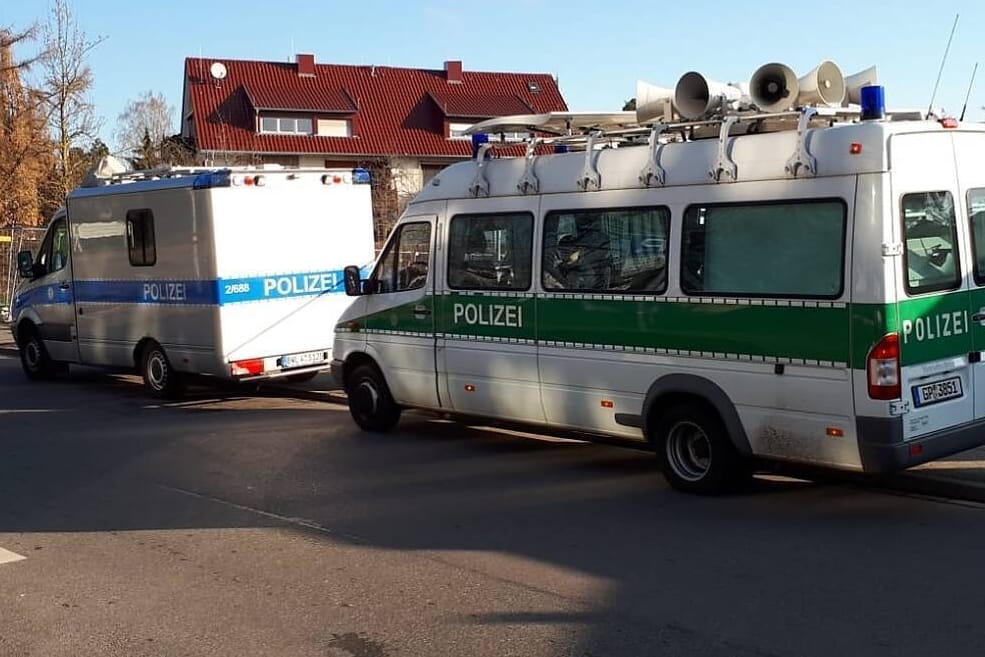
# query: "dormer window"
{"points": [[286, 125]]}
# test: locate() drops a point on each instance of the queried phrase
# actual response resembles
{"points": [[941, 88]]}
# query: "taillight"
{"points": [[883, 368], [246, 367]]}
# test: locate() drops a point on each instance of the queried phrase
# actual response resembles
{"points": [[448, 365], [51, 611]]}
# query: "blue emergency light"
{"points": [[360, 177], [873, 101], [477, 142]]}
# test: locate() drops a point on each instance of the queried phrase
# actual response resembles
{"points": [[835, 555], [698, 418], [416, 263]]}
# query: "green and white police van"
{"points": [[802, 287]]}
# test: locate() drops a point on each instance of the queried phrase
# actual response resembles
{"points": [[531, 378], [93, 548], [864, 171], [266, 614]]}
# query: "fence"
{"points": [[12, 241]]}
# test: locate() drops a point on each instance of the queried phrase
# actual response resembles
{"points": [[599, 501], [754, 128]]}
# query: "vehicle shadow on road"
{"points": [[629, 567]]}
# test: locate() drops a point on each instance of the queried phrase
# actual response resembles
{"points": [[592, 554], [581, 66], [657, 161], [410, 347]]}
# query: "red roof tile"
{"points": [[308, 96], [397, 111], [456, 104]]}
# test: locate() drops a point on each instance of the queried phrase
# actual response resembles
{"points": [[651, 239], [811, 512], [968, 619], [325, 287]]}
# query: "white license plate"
{"points": [[932, 393], [300, 360]]}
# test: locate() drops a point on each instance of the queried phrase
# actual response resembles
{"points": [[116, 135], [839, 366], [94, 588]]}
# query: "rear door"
{"points": [[935, 333], [969, 156]]}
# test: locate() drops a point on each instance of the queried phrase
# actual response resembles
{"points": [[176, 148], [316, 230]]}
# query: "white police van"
{"points": [[233, 273], [802, 283]]}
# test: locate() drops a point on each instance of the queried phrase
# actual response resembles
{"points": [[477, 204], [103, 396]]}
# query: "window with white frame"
{"points": [[286, 125], [334, 128], [457, 130]]}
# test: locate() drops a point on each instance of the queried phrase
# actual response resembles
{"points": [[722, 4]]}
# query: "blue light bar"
{"points": [[477, 142], [212, 179], [561, 148], [873, 102], [360, 177]]}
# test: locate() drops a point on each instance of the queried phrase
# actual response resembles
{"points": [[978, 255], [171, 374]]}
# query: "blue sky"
{"points": [[597, 49]]}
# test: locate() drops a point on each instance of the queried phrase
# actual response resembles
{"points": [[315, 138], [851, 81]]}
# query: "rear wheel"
{"points": [[160, 378], [694, 450], [370, 402], [35, 361]]}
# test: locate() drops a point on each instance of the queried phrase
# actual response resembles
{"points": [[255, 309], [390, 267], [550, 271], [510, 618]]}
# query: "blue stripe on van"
{"points": [[46, 295], [184, 293], [280, 286]]}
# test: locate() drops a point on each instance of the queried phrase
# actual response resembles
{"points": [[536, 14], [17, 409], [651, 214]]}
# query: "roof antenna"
{"points": [[930, 108], [968, 95]]}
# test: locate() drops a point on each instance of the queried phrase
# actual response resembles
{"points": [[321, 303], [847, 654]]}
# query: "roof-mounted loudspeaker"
{"points": [[651, 101], [695, 95]]}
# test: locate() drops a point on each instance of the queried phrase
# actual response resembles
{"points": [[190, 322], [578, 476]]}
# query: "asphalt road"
{"points": [[246, 525]]}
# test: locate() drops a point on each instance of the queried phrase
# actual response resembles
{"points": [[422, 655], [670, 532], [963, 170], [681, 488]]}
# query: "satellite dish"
{"points": [[218, 70]]}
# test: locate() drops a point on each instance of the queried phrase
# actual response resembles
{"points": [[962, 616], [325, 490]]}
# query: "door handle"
{"points": [[65, 286], [422, 310], [978, 317]]}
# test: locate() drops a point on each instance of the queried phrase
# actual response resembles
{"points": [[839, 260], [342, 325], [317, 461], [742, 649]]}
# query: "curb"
{"points": [[935, 486], [8, 350]]}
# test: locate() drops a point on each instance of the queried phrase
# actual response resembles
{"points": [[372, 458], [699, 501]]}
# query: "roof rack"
{"points": [[590, 130]]}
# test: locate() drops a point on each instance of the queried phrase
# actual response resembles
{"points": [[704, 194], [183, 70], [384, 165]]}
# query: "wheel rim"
{"points": [[32, 354], [365, 398], [157, 370], [689, 451]]}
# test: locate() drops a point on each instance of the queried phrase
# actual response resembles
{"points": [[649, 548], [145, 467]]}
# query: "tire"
{"points": [[301, 378], [370, 402], [35, 361], [160, 379], [694, 450]]}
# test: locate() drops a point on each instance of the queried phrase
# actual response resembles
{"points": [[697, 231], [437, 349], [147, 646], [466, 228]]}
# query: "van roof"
{"points": [[839, 149]]}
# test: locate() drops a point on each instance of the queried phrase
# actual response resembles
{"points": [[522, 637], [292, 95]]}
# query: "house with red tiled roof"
{"points": [[303, 113]]}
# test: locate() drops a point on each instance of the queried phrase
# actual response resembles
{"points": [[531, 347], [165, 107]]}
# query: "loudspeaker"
{"points": [[651, 101], [774, 87], [854, 84], [695, 95], [825, 85]]}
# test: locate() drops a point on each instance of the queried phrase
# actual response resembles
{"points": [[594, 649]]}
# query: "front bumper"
{"points": [[883, 450], [338, 368]]}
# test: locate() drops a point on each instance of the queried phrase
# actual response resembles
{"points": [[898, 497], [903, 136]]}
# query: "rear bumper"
{"points": [[883, 450]]}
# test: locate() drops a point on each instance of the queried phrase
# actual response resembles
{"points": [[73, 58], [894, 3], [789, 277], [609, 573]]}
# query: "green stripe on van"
{"points": [[930, 327]]}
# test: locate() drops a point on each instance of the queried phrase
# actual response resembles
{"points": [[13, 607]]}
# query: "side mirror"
{"points": [[353, 285], [25, 264]]}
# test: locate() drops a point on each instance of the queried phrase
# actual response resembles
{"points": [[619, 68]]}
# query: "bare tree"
{"points": [[66, 81], [148, 117]]}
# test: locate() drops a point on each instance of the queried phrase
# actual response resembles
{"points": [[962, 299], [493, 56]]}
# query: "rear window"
{"points": [[976, 214], [784, 250], [930, 237]]}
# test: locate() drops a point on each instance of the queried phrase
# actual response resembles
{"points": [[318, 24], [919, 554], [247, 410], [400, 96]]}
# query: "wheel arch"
{"points": [[138, 350], [354, 360], [674, 388]]}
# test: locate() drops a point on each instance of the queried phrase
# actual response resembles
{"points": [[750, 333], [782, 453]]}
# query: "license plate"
{"points": [[932, 393], [300, 360]]}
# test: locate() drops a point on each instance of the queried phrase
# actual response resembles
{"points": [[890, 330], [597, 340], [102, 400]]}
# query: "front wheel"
{"points": [[35, 361], [694, 450], [160, 378], [370, 402]]}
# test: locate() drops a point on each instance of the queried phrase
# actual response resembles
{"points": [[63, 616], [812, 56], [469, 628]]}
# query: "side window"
{"points": [[43, 261], [490, 251], [140, 238], [976, 213], [404, 264], [611, 250], [930, 238], [785, 250], [59, 247]]}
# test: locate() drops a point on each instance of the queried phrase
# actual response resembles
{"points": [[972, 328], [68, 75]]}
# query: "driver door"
{"points": [[399, 323], [53, 298]]}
